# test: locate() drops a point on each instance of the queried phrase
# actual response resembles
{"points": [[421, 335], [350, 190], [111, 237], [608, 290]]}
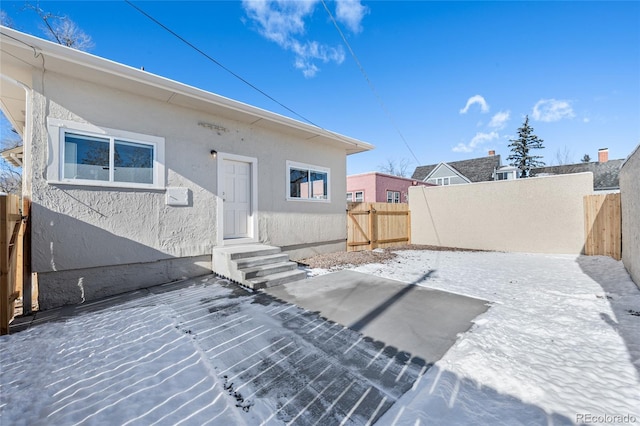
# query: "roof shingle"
{"points": [[475, 169]]}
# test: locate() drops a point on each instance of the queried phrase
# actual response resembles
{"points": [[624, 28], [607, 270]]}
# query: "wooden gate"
{"points": [[371, 225], [603, 225], [15, 270]]}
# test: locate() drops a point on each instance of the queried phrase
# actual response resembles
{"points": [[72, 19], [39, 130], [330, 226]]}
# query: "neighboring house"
{"points": [[465, 171], [135, 179], [605, 171], [374, 187]]}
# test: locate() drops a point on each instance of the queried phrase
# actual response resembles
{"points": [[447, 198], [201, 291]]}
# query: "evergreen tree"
{"points": [[520, 156]]}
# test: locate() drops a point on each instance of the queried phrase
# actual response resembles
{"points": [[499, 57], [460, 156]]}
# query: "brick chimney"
{"points": [[603, 155], [492, 153]]}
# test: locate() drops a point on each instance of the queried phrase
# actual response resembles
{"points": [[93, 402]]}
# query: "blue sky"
{"points": [[451, 80]]}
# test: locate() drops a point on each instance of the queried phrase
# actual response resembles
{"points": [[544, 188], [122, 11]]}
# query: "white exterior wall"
{"points": [[630, 200], [82, 227], [535, 215]]}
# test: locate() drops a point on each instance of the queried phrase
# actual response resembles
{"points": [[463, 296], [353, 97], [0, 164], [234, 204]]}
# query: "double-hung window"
{"points": [[393, 196], [359, 196], [307, 182], [88, 155]]}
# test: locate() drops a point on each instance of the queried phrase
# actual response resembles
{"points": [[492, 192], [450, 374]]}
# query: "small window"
{"points": [[307, 182], [393, 197], [349, 196], [359, 196], [505, 175]]}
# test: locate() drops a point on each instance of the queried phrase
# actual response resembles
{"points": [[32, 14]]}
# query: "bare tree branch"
{"points": [[392, 167], [62, 29]]}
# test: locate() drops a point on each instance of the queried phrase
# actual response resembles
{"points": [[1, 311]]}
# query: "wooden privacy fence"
{"points": [[371, 225], [603, 225], [15, 270]]}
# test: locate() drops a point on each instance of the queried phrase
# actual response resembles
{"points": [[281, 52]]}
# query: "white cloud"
{"points": [[283, 22], [499, 120], [351, 13], [552, 110], [478, 139], [477, 99]]}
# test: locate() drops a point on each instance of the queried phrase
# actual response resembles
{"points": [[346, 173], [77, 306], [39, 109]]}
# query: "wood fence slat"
{"points": [[386, 225], [13, 240], [5, 304], [603, 225]]}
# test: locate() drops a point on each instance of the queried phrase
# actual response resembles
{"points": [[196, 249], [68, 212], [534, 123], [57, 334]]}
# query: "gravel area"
{"points": [[343, 259]]}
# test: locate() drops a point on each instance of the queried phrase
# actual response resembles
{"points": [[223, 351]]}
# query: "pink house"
{"points": [[374, 187]]}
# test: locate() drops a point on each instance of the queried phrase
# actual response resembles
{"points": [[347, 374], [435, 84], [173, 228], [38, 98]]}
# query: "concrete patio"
{"points": [[284, 359]]}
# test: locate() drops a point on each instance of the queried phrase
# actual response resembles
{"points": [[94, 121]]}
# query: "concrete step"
{"points": [[251, 262], [262, 251], [270, 269], [276, 279]]}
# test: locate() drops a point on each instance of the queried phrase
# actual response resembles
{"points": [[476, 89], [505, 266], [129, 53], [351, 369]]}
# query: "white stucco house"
{"points": [[136, 179]]}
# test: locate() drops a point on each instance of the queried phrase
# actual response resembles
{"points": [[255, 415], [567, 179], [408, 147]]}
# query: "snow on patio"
{"points": [[559, 345]]}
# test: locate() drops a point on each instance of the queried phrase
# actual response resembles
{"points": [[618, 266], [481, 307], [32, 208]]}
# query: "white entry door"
{"points": [[237, 199]]}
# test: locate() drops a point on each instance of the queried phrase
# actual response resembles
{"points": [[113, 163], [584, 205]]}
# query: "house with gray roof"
{"points": [[460, 172], [605, 171]]}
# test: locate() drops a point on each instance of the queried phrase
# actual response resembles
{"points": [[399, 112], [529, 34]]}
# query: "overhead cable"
{"points": [[366, 77]]}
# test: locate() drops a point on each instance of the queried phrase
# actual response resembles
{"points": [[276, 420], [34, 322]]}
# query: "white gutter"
{"points": [[27, 93], [124, 71]]}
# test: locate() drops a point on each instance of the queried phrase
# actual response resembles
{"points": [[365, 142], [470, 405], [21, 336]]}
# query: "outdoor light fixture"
{"points": [[214, 154]]}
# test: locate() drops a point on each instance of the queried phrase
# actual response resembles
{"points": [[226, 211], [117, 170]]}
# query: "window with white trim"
{"points": [[443, 181], [349, 196], [107, 159], [88, 155], [359, 196], [307, 182], [508, 175], [393, 196]]}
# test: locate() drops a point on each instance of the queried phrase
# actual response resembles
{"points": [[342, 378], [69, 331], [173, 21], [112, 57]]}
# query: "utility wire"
{"points": [[221, 65], [366, 77]]}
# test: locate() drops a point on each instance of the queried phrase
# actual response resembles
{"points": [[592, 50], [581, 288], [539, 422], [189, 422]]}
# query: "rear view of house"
{"points": [[135, 179]]}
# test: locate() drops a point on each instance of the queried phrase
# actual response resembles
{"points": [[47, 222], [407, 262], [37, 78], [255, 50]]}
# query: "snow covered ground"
{"points": [[559, 345]]}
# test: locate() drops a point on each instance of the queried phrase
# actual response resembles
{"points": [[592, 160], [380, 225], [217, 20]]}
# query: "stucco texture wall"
{"points": [[630, 200], [82, 227], [535, 215]]}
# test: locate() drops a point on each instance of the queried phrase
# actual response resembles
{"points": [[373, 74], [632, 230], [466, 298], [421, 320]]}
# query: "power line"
{"points": [[366, 77], [221, 65]]}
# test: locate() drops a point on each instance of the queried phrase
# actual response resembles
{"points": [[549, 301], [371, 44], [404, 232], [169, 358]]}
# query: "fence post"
{"points": [[372, 227], [27, 294], [4, 267]]}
